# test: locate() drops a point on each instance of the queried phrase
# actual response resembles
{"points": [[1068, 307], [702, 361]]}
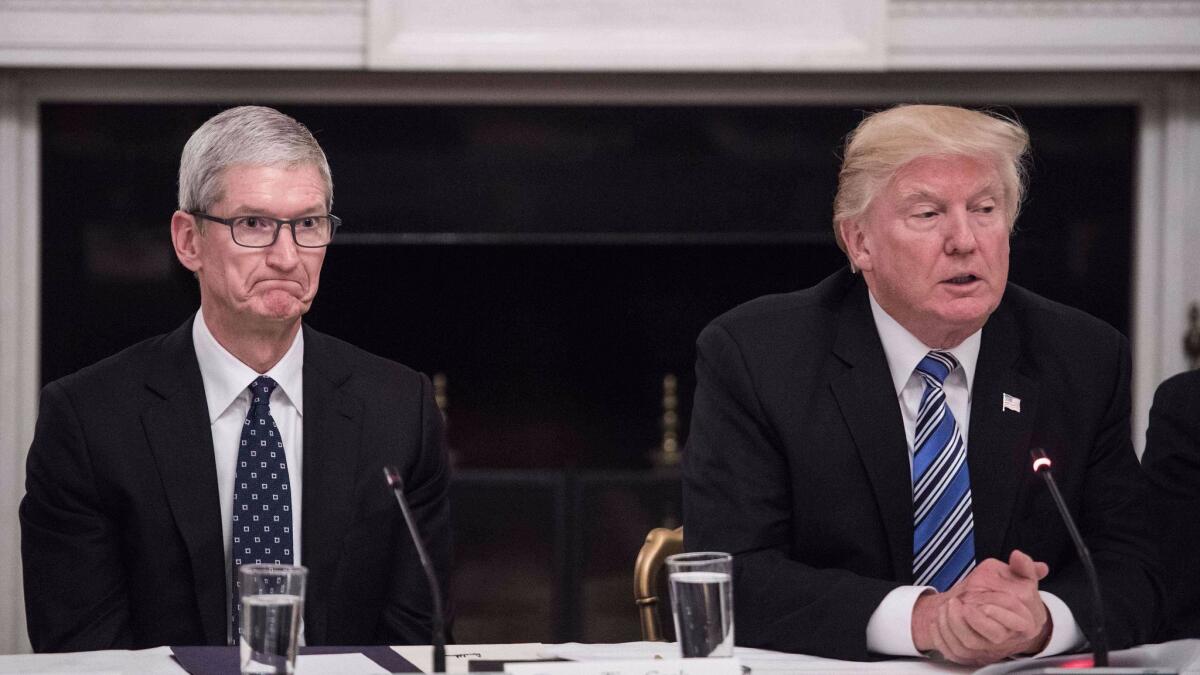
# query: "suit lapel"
{"points": [[332, 433], [867, 400], [998, 442], [180, 440]]}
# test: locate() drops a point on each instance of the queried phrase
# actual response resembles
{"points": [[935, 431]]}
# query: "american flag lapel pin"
{"points": [[1010, 402]]}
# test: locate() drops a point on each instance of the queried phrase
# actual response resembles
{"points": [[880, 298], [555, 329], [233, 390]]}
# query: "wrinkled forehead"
{"points": [[235, 179], [941, 177]]}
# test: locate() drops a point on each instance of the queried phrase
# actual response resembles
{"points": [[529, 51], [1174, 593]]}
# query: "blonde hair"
{"points": [[887, 141]]}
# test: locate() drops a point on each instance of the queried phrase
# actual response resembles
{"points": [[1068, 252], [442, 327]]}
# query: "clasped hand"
{"points": [[993, 613]]}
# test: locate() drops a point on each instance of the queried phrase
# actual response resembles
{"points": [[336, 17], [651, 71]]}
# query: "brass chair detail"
{"points": [[660, 543]]}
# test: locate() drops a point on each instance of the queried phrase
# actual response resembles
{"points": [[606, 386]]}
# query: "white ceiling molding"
{"points": [[321, 34], [621, 35], [1043, 34], [604, 35]]}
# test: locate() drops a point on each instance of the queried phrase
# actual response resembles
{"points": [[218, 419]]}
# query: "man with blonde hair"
{"points": [[243, 436], [862, 447]]}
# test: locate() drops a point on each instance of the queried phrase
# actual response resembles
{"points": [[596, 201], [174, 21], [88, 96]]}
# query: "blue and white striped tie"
{"points": [[943, 532]]}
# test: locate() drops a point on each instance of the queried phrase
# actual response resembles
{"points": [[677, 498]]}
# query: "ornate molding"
{"points": [[1044, 35], [943, 9], [182, 33], [604, 35], [188, 6], [626, 35]]}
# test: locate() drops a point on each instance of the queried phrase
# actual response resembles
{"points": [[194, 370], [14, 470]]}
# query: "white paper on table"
{"points": [[758, 660], [765, 660], [458, 657], [729, 666], [155, 661], [577, 651], [342, 664]]}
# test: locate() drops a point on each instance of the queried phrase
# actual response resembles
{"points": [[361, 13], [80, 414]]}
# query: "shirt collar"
{"points": [[904, 351], [226, 378]]}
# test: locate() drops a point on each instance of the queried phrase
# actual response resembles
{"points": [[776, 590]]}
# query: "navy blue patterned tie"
{"points": [[943, 526], [262, 499]]}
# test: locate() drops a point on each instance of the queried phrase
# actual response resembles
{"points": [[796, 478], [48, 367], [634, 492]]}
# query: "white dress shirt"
{"points": [[226, 388], [889, 630]]}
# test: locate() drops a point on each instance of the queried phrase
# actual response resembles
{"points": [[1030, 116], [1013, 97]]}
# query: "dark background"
{"points": [[554, 263]]}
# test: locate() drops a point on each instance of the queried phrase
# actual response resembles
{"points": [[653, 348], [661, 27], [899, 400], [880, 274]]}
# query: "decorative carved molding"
{"points": [[182, 33], [605, 35], [239, 7], [626, 35], [1043, 34], [945, 9]]}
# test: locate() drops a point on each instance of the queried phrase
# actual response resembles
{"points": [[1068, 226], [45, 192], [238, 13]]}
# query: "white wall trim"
{"points": [[292, 7], [1180, 224], [19, 348], [710, 35], [183, 33], [1043, 35], [1151, 267], [1077, 9], [604, 35], [112, 85]]}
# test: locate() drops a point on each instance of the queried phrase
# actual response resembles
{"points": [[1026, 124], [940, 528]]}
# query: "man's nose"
{"points": [[283, 254], [959, 236]]}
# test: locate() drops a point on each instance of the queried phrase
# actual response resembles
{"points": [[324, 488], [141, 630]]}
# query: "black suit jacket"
{"points": [[797, 463], [121, 526], [1172, 462]]}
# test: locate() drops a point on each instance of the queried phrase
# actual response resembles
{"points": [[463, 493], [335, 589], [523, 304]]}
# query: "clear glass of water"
{"points": [[702, 603], [272, 599]]}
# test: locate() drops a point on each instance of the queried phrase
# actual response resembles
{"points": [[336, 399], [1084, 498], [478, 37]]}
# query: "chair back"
{"points": [[660, 543]]}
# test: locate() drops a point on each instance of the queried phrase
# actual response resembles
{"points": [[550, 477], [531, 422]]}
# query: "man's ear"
{"points": [[858, 248], [185, 237]]}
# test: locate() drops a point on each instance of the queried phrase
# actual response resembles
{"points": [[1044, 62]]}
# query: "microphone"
{"points": [[439, 622], [1042, 465], [1132, 662]]}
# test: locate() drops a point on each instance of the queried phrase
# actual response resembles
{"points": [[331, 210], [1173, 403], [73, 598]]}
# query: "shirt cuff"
{"points": [[1065, 634], [889, 631]]}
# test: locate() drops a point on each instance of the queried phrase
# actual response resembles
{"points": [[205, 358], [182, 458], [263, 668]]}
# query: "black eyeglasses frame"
{"points": [[334, 222]]}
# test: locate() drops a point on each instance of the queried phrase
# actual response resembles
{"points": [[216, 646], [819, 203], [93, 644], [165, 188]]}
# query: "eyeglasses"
{"points": [[262, 231]]}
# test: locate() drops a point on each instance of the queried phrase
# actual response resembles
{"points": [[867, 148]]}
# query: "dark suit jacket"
{"points": [[797, 463], [1172, 462], [121, 526]]}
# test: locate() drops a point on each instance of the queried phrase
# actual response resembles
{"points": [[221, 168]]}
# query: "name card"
{"points": [[730, 666]]}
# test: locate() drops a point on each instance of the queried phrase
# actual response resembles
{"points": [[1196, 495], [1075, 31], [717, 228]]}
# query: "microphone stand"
{"points": [[439, 622], [1041, 465]]}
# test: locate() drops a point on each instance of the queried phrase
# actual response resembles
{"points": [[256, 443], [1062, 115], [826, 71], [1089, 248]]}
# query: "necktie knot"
{"points": [[937, 365], [260, 391]]}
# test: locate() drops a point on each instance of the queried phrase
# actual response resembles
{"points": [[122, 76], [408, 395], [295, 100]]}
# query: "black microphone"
{"points": [[439, 621], [1042, 465], [1099, 666]]}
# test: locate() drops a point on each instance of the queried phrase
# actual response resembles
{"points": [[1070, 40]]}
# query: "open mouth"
{"points": [[962, 279]]}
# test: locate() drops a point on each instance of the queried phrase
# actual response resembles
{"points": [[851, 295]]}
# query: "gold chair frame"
{"points": [[660, 543]]}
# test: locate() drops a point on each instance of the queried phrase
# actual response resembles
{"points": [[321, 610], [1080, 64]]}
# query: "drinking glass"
{"points": [[272, 599], [702, 603]]}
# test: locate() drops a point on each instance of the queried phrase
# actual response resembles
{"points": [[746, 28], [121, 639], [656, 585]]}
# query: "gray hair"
{"points": [[248, 135], [886, 141]]}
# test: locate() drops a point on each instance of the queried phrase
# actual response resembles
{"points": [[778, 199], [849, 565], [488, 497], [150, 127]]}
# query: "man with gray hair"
{"points": [[242, 436], [862, 447]]}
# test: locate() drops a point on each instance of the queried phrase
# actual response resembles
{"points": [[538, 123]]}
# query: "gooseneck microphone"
{"points": [[1042, 465], [439, 621]]}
